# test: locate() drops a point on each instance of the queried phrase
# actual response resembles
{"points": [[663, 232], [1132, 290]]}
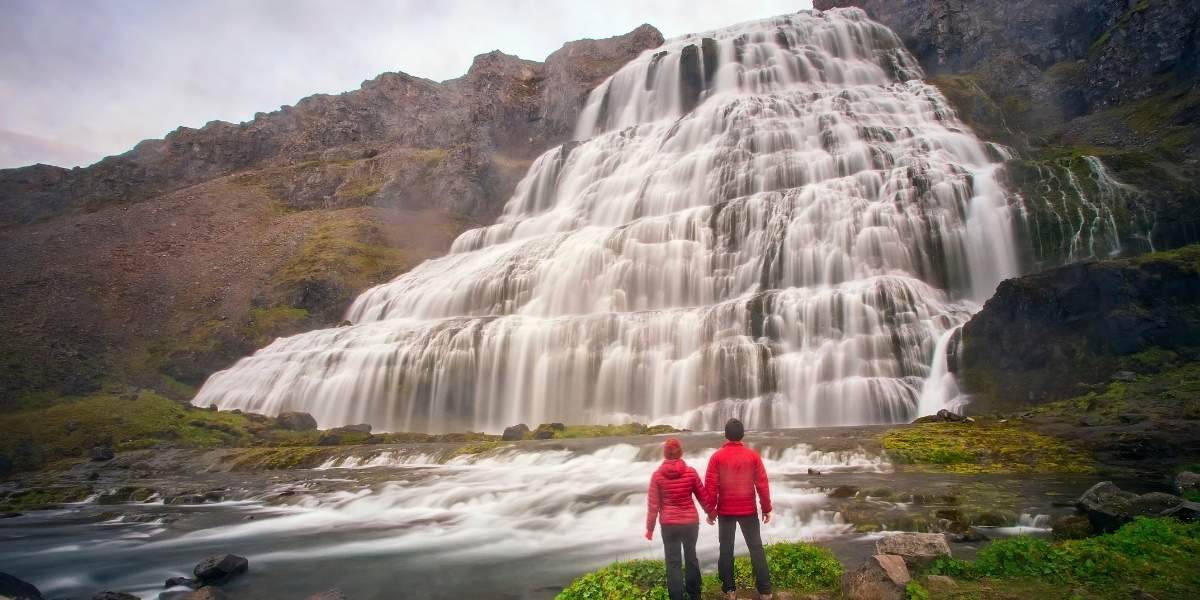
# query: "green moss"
{"points": [[279, 458], [478, 448], [1164, 390], [630, 429], [1160, 557], [44, 497], [266, 324], [981, 448]]}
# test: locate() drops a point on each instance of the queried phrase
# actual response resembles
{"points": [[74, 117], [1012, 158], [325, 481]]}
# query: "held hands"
{"points": [[712, 519], [766, 518]]}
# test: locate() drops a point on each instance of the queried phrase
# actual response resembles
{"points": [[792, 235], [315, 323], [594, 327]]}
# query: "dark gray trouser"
{"points": [[758, 560], [679, 569]]}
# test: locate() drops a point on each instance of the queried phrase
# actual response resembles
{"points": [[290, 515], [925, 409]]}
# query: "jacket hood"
{"points": [[673, 468]]}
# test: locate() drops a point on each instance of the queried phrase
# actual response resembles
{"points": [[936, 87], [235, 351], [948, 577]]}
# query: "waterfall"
{"points": [[776, 220]]}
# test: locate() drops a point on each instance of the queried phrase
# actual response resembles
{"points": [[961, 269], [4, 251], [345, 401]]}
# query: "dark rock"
{"points": [[991, 519], [543, 434], [16, 589], [360, 428], [812, 471], [114, 596], [179, 581], [1187, 481], [553, 426], [918, 550], [296, 421], [6, 465], [945, 415], [1106, 506], [843, 491], [220, 568], [329, 438], [881, 577], [691, 73], [1185, 511], [1071, 527], [514, 433], [212, 408], [332, 594], [101, 453], [1153, 504], [9, 515]]}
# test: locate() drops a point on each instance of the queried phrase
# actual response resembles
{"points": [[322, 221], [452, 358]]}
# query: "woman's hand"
{"points": [[649, 534], [766, 518]]}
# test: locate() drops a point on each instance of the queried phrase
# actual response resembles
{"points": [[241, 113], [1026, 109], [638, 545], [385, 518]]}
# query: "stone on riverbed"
{"points": [[178, 581], [515, 433], [17, 589], [918, 550], [1071, 527], [881, 577], [1106, 505], [220, 568], [1185, 511], [296, 421]]}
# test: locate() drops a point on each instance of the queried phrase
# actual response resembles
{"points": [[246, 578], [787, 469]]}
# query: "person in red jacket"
{"points": [[669, 501], [735, 474]]}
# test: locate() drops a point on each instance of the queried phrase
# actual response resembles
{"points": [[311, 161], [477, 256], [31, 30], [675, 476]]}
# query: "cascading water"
{"points": [[776, 220]]}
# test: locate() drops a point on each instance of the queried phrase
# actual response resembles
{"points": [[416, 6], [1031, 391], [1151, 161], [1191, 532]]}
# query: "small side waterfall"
{"points": [[777, 220]]}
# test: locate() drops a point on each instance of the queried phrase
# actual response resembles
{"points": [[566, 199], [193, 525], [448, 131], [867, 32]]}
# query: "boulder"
{"points": [[114, 596], [1187, 481], [16, 589], [1185, 511], [178, 581], [296, 421], [1071, 527], [514, 433], [220, 568], [1153, 504], [1106, 506], [881, 577], [543, 434], [101, 453], [918, 550], [329, 438], [332, 594], [207, 592]]}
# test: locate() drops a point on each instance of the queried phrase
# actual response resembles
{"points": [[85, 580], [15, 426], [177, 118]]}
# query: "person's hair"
{"points": [[672, 448], [734, 430]]}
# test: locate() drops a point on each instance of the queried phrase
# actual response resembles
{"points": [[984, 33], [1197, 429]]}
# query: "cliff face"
{"points": [[162, 264], [1057, 334], [1060, 81]]}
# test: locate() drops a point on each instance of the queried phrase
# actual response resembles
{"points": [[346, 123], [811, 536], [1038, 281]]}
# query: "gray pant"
{"points": [[758, 560], [685, 568]]}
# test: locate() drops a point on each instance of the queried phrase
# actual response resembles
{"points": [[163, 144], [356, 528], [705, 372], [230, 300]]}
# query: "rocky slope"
{"points": [[155, 267], [1059, 81]]}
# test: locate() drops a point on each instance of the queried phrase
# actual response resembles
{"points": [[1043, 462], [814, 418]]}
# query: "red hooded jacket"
{"points": [[735, 473], [671, 489]]}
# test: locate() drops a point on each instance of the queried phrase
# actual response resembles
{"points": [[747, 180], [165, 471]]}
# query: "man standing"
{"points": [[735, 474]]}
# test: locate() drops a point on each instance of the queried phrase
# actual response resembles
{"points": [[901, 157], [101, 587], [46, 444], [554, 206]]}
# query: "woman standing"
{"points": [[670, 502]]}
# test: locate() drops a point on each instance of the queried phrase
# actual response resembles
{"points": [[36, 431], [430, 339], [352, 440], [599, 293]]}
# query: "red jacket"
{"points": [[671, 489], [735, 473]]}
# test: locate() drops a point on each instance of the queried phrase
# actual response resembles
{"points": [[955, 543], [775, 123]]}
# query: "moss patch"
{"points": [[630, 429], [982, 448]]}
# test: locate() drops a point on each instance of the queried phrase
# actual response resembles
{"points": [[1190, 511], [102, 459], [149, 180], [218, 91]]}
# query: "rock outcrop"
{"points": [[167, 262]]}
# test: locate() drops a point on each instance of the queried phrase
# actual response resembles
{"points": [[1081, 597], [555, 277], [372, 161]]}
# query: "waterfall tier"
{"points": [[777, 220]]}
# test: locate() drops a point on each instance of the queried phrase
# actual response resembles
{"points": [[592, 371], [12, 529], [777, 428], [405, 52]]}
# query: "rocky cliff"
{"points": [[155, 267], [1060, 82]]}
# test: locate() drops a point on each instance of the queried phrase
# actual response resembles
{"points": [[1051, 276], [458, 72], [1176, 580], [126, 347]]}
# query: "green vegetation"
{"points": [[1158, 556], [1164, 389], [43, 497], [593, 431], [981, 448], [478, 448], [915, 591], [795, 567], [279, 458]]}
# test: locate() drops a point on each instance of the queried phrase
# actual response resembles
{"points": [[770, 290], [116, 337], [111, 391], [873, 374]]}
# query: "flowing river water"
{"points": [[517, 522]]}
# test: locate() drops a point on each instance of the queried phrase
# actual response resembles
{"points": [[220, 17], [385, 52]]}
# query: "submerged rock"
{"points": [[1106, 505], [17, 589], [220, 568], [881, 577], [918, 550], [296, 421]]}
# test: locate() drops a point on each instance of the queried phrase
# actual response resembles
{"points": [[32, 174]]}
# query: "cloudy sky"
{"points": [[83, 79]]}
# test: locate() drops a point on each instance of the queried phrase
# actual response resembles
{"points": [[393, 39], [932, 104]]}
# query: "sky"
{"points": [[84, 79]]}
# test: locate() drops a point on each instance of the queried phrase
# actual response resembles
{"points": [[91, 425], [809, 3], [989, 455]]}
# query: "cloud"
{"points": [[76, 76]]}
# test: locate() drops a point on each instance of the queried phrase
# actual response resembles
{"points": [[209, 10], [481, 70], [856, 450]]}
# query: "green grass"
{"points": [[1159, 556], [795, 567], [981, 448], [1164, 388], [630, 429]]}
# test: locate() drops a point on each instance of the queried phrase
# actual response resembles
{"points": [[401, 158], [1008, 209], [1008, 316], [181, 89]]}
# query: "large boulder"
{"points": [[1106, 505], [881, 577], [296, 421], [220, 568], [1153, 504], [1185, 511], [16, 589], [918, 550], [514, 433]]}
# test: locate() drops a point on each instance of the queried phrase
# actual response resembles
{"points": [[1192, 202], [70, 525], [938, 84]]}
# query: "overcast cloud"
{"points": [[80, 80]]}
